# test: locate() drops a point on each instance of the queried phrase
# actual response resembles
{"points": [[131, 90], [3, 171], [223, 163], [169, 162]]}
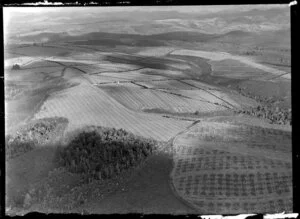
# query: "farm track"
{"points": [[136, 82], [70, 66], [136, 69], [171, 141], [130, 81], [99, 102], [180, 95], [278, 76], [168, 92], [211, 94], [276, 64], [145, 87]]}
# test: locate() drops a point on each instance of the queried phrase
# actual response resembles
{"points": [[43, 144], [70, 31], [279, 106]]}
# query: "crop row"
{"points": [[200, 162], [86, 105], [274, 205], [140, 99], [218, 186], [218, 161]]}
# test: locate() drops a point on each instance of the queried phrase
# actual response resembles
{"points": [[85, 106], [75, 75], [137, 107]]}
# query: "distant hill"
{"points": [[45, 36], [178, 35], [184, 36], [237, 33], [114, 39]]}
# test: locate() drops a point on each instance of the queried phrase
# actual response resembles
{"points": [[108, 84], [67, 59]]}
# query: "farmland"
{"points": [[211, 155], [95, 107], [187, 120]]}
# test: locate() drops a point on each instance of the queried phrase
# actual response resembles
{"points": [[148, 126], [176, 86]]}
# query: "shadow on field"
{"points": [[149, 62], [25, 170], [91, 162], [147, 190]]}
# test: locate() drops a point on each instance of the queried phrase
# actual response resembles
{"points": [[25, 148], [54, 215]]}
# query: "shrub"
{"points": [[38, 132], [274, 115], [103, 153], [268, 109], [15, 147], [16, 67]]}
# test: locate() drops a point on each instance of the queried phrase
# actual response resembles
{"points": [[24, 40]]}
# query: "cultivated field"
{"points": [[148, 99], [212, 90], [229, 168], [219, 56], [87, 105]]}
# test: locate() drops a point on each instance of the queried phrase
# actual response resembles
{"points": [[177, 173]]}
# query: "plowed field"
{"points": [[87, 105]]}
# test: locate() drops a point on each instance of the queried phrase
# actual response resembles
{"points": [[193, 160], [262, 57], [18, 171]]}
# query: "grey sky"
{"points": [[9, 11]]}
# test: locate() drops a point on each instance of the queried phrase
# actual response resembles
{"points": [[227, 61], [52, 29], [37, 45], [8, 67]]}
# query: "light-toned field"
{"points": [[100, 78], [40, 63], [133, 76], [88, 105], [25, 91], [99, 67], [147, 99], [249, 120], [22, 76], [162, 72], [235, 69], [219, 56], [233, 168], [20, 60], [199, 84], [159, 51], [167, 85], [32, 75], [227, 100]]}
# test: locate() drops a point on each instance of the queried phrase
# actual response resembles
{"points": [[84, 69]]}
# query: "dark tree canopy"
{"points": [[16, 67]]}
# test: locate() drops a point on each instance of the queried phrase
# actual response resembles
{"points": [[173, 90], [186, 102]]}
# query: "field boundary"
{"points": [[170, 178]]}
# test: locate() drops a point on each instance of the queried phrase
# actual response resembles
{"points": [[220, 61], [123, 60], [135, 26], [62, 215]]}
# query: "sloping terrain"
{"points": [[217, 56], [185, 76], [229, 168], [147, 99], [87, 105]]}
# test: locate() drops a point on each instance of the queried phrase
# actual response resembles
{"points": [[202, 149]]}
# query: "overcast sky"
{"points": [[9, 11], [20, 19]]}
